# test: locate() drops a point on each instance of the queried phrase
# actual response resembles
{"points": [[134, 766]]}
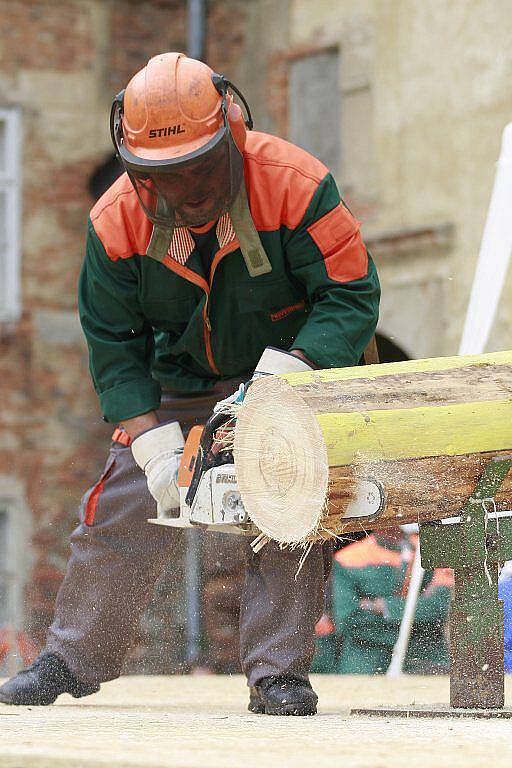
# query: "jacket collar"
{"points": [[183, 244]]}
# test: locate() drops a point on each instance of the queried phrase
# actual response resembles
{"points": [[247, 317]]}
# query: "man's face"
{"points": [[200, 192]]}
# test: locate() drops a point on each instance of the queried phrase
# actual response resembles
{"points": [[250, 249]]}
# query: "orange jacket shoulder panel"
{"points": [[366, 553], [281, 180], [120, 222]]}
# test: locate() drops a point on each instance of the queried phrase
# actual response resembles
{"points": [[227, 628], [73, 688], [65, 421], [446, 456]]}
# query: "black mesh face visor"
{"points": [[192, 192]]}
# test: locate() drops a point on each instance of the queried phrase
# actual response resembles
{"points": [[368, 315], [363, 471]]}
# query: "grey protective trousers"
{"points": [[117, 557]]}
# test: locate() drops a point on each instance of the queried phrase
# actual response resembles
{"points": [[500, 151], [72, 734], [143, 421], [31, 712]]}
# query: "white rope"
{"points": [[303, 557], [486, 521]]}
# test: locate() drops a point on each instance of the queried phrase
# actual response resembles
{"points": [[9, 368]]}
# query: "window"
{"points": [[14, 552], [16, 648], [315, 106], [331, 115], [10, 183], [10, 579], [5, 577]]}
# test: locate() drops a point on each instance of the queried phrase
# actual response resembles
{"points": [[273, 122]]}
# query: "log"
{"points": [[421, 430]]}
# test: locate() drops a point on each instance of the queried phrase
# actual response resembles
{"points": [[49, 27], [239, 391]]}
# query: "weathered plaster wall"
{"points": [[439, 76]]}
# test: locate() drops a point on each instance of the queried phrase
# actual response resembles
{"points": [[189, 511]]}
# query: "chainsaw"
{"points": [[209, 497]]}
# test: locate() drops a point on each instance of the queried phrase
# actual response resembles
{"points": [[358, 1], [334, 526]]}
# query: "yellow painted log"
{"points": [[421, 431], [415, 433], [426, 365]]}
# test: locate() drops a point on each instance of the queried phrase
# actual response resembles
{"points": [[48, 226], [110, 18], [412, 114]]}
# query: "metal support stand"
{"points": [[193, 597], [473, 546]]}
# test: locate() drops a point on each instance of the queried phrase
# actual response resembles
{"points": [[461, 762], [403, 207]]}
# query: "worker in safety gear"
{"points": [[370, 580], [218, 246]]}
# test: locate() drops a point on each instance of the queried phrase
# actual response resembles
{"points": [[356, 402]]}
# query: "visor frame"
{"points": [[137, 164]]}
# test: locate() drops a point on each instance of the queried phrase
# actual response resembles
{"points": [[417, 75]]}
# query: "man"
{"points": [[218, 246], [369, 587]]}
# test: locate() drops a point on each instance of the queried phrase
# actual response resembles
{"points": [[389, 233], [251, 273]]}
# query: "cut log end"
{"points": [[281, 461]]}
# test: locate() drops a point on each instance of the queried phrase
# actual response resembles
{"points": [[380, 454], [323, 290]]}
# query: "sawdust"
{"points": [[202, 722]]}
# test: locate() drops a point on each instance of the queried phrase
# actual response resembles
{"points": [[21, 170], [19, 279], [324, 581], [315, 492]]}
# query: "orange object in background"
{"points": [[18, 643]]}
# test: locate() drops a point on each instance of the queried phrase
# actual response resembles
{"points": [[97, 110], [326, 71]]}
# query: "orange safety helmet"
{"points": [[180, 136]]}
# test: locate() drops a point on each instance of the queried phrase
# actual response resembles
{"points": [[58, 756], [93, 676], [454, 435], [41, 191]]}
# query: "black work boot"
{"points": [[41, 683], [282, 696]]}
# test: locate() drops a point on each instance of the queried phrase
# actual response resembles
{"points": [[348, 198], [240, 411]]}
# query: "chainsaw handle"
{"points": [[205, 459]]}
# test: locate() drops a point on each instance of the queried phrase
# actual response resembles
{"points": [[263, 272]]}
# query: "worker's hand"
{"points": [[139, 424], [158, 452], [272, 361]]}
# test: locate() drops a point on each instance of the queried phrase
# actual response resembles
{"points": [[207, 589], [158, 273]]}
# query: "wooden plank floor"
{"points": [[202, 722]]}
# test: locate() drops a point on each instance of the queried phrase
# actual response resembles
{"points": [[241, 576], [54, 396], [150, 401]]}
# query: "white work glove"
{"points": [[272, 361], [158, 452]]}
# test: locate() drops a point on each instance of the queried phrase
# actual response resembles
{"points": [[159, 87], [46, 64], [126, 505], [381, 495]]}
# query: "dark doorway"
{"points": [[389, 352], [104, 176]]}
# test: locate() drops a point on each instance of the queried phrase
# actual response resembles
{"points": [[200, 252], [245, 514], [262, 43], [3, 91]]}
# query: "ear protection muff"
{"points": [[238, 123], [116, 114]]}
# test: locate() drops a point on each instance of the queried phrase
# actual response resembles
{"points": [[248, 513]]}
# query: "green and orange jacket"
{"points": [[153, 324], [366, 569]]}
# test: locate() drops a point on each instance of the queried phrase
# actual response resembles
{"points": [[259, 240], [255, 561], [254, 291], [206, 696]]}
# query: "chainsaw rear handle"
{"points": [[205, 458]]}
